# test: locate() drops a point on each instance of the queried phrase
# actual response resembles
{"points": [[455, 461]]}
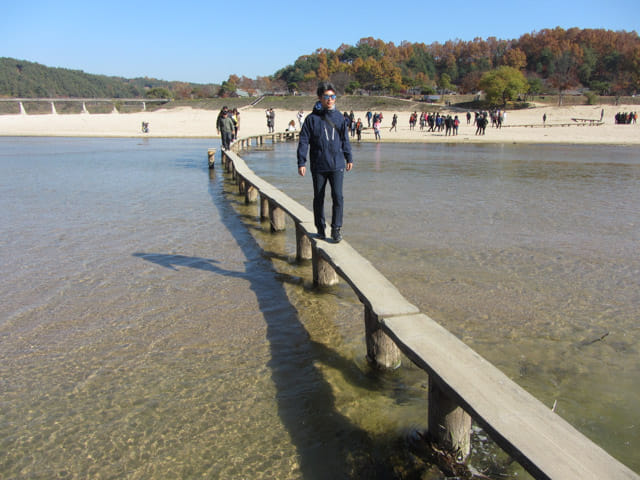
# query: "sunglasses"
{"points": [[329, 97]]}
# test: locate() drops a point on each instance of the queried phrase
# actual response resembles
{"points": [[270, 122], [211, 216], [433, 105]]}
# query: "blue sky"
{"points": [[205, 42]]}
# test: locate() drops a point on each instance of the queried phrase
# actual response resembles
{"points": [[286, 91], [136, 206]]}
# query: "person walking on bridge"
{"points": [[325, 137], [226, 126]]}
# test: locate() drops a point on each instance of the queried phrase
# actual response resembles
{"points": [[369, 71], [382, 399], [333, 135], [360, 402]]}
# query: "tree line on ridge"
{"points": [[551, 60]]}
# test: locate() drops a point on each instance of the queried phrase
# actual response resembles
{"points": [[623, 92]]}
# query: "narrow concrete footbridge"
{"points": [[463, 386]]}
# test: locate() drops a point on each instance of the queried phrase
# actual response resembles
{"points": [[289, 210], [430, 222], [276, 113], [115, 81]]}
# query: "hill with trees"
{"points": [[23, 79], [603, 61], [555, 60]]}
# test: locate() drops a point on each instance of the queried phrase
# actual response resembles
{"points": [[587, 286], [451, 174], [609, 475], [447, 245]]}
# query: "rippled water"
{"points": [[151, 327], [528, 253]]}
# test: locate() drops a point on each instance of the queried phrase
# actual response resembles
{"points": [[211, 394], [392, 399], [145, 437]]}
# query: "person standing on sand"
{"points": [[369, 115], [271, 120], [394, 123], [347, 121], [481, 123], [352, 123], [272, 115], [376, 128], [325, 137]]}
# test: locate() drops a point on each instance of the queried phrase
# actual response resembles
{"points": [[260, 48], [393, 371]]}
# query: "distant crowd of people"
{"points": [[355, 126], [430, 122], [624, 118], [434, 122]]}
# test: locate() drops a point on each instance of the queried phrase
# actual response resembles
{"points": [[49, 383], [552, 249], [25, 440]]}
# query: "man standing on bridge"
{"points": [[324, 134]]}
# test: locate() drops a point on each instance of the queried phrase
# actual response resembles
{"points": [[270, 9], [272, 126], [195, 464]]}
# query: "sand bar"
{"points": [[521, 126]]}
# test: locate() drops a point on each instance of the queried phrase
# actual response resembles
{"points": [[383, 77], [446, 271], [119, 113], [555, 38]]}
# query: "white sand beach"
{"points": [[521, 126]]}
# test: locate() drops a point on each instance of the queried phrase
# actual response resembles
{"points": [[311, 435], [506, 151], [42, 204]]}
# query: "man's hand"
{"points": [[302, 170], [349, 166]]}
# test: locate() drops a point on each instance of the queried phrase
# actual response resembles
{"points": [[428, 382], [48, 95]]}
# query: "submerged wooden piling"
{"points": [[264, 207], [304, 250], [276, 216], [381, 350], [250, 193], [449, 424], [211, 154], [323, 273]]}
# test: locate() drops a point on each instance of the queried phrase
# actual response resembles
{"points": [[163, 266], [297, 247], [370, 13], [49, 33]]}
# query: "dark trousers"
{"points": [[226, 139], [335, 179]]}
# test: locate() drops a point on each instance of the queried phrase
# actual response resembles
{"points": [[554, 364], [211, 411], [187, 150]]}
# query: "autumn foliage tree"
{"points": [[503, 84]]}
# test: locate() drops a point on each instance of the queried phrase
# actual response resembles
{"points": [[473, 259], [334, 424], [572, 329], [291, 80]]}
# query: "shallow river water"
{"points": [[152, 327]]}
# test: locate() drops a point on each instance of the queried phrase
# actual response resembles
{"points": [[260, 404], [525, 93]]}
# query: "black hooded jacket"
{"points": [[324, 134]]}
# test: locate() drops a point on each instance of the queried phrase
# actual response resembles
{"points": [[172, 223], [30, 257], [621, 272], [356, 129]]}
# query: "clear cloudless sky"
{"points": [[206, 41]]}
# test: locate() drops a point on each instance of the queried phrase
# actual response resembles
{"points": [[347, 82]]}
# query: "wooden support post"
{"points": [[323, 273], [250, 193], [211, 153], [381, 350], [449, 425], [277, 217], [303, 245], [261, 140], [264, 207], [241, 185]]}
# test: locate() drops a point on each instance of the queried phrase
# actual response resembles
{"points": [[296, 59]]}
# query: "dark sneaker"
{"points": [[321, 234], [336, 235]]}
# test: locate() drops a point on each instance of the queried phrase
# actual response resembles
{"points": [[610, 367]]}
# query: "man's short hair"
{"points": [[324, 86]]}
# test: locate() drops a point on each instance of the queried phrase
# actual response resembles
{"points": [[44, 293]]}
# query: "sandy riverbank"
{"points": [[521, 126]]}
